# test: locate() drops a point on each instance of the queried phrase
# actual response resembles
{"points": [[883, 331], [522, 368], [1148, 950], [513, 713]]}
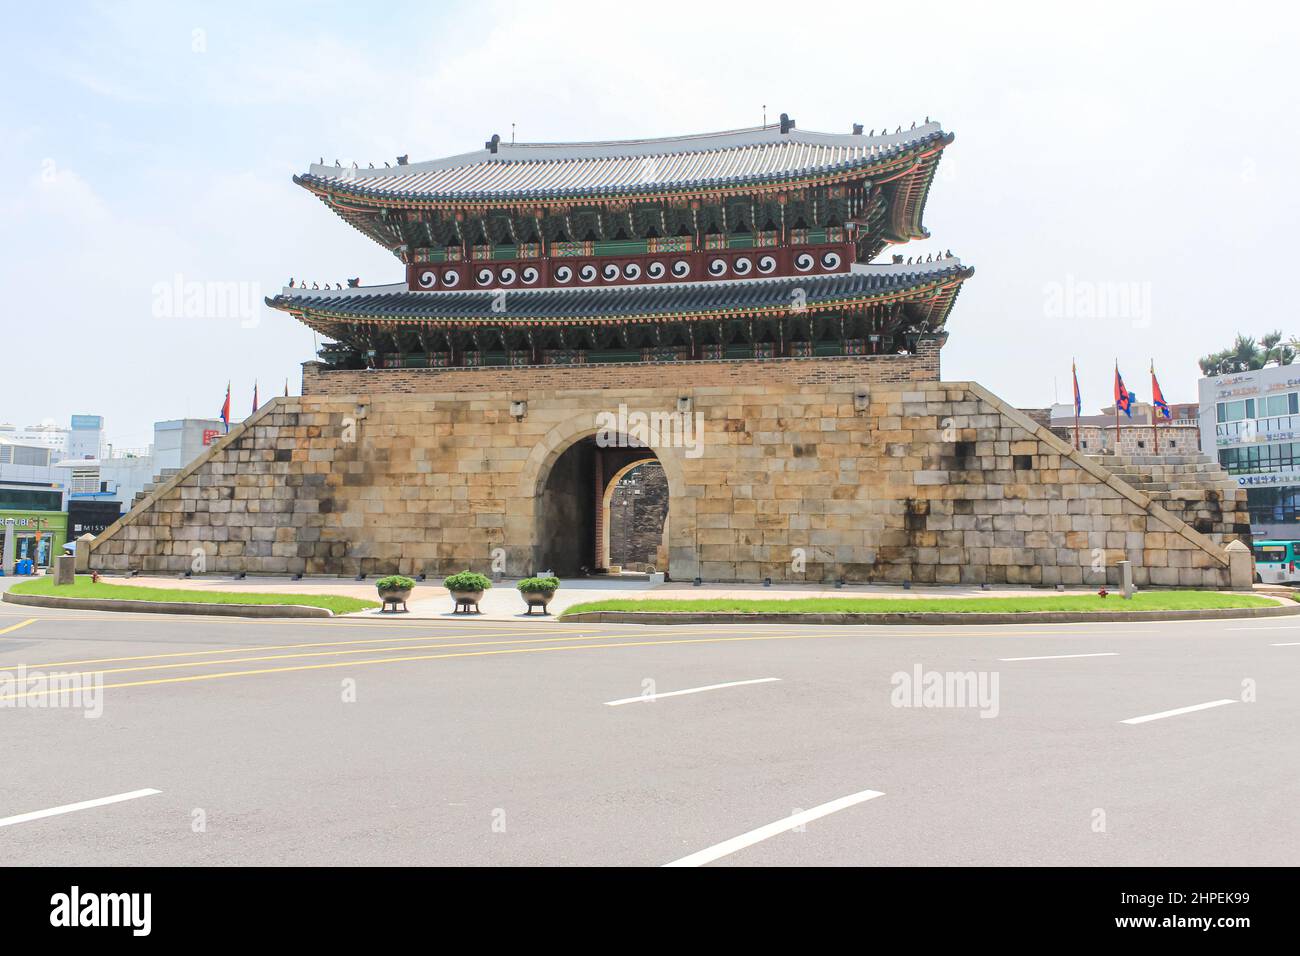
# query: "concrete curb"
{"points": [[923, 617], [167, 607]]}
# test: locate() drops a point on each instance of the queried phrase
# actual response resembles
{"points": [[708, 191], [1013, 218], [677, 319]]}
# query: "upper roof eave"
{"points": [[550, 172]]}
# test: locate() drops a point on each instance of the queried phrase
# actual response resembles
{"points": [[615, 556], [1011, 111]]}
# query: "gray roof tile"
{"points": [[546, 170], [396, 302]]}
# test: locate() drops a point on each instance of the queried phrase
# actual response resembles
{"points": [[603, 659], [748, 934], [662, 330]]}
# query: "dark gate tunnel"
{"points": [[572, 510]]}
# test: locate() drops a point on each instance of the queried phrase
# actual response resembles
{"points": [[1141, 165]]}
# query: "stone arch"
{"points": [[611, 484], [561, 438]]}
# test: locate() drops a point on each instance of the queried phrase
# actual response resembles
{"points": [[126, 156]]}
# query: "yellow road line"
{"points": [[579, 632], [14, 627], [441, 656], [977, 630], [429, 657], [575, 631], [363, 650], [264, 647]]}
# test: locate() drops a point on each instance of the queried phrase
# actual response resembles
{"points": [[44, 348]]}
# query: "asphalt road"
{"points": [[400, 742]]}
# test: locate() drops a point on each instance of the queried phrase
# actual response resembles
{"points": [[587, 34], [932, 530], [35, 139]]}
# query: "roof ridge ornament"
{"points": [[492, 144], [787, 124]]}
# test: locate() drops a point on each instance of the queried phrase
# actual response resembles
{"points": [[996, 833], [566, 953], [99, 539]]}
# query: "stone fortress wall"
{"points": [[867, 469]]}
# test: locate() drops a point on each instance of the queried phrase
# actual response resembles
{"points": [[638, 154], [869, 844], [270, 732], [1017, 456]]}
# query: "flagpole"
{"points": [[1074, 376], [1155, 433], [1116, 390]]}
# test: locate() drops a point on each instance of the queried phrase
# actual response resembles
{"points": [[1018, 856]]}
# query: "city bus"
{"points": [[1276, 561]]}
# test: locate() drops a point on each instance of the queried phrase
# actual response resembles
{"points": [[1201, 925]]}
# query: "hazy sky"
{"points": [[1123, 177]]}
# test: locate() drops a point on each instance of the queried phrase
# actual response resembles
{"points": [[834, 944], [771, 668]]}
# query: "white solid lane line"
{"points": [[690, 690], [1177, 711], [1059, 657], [728, 847], [72, 807], [1287, 644]]}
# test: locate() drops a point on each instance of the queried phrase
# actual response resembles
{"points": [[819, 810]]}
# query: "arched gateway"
{"points": [[571, 477], [729, 279]]}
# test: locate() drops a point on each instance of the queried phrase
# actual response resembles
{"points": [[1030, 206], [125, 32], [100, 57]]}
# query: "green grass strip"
{"points": [[1144, 601], [85, 588]]}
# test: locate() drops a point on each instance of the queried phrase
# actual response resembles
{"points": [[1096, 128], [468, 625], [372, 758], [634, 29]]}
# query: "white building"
{"points": [[86, 437], [83, 439], [32, 458], [178, 442], [47, 435], [29, 476], [1251, 422], [123, 475]]}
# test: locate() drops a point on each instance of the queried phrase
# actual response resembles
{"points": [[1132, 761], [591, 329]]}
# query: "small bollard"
{"points": [[1126, 579]]}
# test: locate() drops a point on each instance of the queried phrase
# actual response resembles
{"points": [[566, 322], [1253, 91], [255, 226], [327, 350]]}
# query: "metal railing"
{"points": [[1248, 427]]}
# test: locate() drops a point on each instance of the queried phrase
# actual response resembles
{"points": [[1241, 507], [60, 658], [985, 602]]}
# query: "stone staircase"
{"points": [[1192, 487], [148, 489]]}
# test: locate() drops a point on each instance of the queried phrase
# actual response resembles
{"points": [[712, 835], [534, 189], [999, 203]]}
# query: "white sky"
{"points": [[1140, 151]]}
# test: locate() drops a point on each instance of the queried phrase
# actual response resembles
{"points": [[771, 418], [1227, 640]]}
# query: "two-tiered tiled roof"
{"points": [[579, 237]]}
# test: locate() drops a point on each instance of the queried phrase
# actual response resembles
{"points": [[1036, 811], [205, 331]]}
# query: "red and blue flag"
{"points": [[1158, 397], [225, 409], [1123, 397], [1078, 400]]}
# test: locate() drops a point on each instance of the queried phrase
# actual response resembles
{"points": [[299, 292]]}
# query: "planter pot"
{"points": [[394, 598], [465, 600], [537, 599]]}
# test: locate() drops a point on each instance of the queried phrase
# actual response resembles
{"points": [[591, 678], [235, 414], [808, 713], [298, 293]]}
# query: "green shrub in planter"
{"points": [[466, 581], [547, 586], [394, 582]]}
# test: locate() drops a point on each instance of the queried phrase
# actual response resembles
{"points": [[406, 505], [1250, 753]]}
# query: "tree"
{"points": [[1277, 351], [1246, 355]]}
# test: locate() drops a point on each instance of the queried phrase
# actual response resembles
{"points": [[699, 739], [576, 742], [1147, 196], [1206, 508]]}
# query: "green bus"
{"points": [[1276, 561]]}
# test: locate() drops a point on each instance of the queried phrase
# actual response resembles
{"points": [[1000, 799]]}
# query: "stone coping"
{"points": [[167, 607]]}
